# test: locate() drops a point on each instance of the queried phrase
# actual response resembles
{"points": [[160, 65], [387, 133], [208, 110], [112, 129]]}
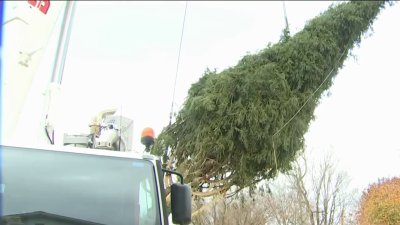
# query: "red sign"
{"points": [[42, 5]]}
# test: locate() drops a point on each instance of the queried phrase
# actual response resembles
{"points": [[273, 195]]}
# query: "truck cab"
{"points": [[44, 183], [65, 186]]}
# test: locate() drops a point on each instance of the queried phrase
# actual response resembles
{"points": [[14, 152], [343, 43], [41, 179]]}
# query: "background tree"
{"points": [[247, 207], [380, 204], [285, 205], [308, 195], [247, 123], [325, 199]]}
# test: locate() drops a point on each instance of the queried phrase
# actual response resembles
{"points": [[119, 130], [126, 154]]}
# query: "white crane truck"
{"points": [[44, 183]]}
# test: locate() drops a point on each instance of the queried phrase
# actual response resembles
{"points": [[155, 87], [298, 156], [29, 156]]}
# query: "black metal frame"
{"points": [[175, 173]]}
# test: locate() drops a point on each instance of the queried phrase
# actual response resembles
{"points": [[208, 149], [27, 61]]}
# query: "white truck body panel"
{"points": [[26, 33]]}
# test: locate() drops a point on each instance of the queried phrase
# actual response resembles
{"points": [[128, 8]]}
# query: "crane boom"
{"points": [[27, 28]]}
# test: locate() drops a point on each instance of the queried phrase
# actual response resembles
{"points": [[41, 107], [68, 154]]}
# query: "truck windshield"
{"points": [[50, 187]]}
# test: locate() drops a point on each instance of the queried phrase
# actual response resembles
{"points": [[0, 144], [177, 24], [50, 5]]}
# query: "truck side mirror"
{"points": [[181, 204]]}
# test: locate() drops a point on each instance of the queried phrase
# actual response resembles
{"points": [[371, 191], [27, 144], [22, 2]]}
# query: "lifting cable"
{"points": [[284, 13], [273, 143], [177, 66]]}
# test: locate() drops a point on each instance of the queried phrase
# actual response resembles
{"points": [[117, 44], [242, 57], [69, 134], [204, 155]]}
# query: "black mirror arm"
{"points": [[173, 172]]}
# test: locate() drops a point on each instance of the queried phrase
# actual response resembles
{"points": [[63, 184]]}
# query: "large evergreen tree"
{"points": [[248, 122]]}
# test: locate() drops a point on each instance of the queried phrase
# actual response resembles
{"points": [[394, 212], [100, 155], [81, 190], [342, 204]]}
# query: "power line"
{"points": [[177, 65]]}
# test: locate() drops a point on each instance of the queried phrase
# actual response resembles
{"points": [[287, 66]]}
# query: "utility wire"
{"points": [[177, 66]]}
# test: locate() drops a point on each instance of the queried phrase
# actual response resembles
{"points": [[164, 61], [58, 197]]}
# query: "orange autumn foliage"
{"points": [[380, 204]]}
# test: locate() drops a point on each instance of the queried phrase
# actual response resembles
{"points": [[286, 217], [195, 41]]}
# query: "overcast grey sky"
{"points": [[124, 54]]}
